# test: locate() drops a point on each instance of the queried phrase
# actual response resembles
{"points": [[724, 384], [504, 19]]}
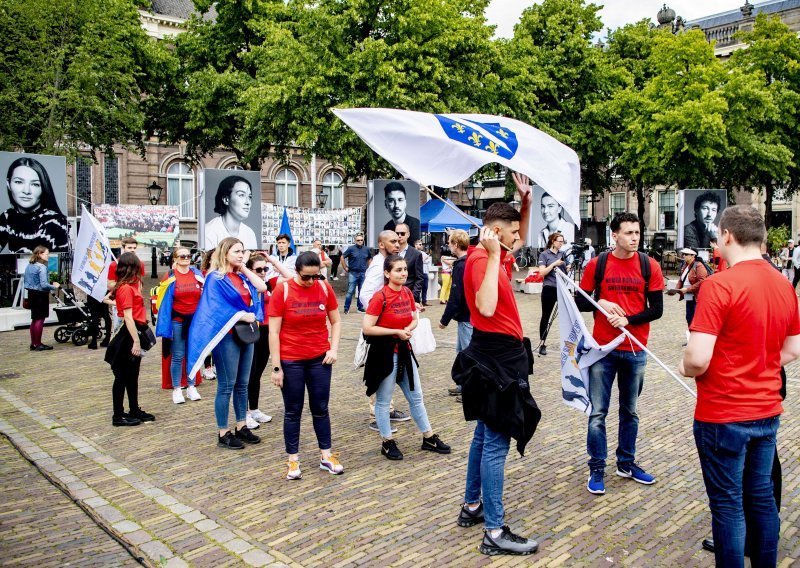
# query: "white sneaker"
{"points": [[259, 416], [192, 393], [209, 373], [250, 423], [177, 396]]}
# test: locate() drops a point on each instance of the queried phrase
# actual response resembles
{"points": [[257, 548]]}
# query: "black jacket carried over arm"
{"points": [[380, 360], [415, 273], [493, 374], [456, 308]]}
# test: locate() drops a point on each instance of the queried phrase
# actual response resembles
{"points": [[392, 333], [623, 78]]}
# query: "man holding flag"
{"points": [[629, 286]]}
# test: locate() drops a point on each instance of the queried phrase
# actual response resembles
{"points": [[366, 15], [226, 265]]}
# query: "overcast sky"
{"points": [[615, 13]]}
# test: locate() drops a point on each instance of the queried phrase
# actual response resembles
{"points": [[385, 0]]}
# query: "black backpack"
{"points": [[600, 271]]}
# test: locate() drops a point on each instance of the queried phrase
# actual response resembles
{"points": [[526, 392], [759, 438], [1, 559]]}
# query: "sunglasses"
{"points": [[184, 256], [260, 269], [401, 233], [307, 277]]}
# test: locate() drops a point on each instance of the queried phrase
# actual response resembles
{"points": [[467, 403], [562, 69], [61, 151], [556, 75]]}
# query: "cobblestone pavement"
{"points": [[168, 490]]}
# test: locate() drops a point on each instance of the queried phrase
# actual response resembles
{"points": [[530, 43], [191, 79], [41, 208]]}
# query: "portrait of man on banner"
{"points": [[34, 204], [699, 217], [232, 207], [396, 202], [547, 217]]}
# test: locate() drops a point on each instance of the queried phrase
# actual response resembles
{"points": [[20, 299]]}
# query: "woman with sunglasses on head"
{"points": [[258, 264], [302, 356], [550, 259], [389, 323], [184, 285], [231, 296], [124, 352]]}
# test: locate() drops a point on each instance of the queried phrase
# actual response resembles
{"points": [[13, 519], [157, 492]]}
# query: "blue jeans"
{"points": [[298, 376], [628, 367], [463, 336], [736, 460], [354, 280], [178, 351], [383, 399], [485, 473], [233, 373]]}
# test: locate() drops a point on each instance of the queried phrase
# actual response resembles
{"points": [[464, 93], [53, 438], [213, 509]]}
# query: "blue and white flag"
{"points": [[579, 351], [91, 257], [287, 230], [446, 149]]}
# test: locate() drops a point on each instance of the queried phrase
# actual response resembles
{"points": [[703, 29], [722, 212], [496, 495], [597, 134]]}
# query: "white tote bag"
{"points": [[422, 340], [362, 350]]}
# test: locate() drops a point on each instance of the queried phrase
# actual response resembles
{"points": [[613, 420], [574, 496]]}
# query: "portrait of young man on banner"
{"points": [[699, 216], [547, 217], [395, 202], [231, 207], [34, 204]]}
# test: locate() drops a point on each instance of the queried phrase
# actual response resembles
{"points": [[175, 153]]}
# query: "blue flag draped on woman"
{"points": [[221, 306]]}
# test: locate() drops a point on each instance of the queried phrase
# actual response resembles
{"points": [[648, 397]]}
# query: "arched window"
{"points": [[286, 188], [180, 189], [332, 187], [233, 166]]}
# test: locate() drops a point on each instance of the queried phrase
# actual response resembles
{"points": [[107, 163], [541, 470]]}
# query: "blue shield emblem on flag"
{"points": [[487, 136]]}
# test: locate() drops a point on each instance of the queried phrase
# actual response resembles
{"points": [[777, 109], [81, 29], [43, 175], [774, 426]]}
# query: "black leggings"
{"points": [[260, 359], [549, 299], [126, 378]]}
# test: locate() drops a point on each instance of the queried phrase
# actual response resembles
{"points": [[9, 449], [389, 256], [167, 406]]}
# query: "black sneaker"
{"points": [[245, 435], [125, 420], [104, 343], [142, 415], [507, 543], [467, 518], [229, 441], [543, 350], [434, 444], [391, 451]]}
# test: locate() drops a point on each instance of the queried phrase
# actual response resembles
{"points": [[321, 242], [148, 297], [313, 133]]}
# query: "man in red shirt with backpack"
{"points": [[740, 338], [628, 285]]}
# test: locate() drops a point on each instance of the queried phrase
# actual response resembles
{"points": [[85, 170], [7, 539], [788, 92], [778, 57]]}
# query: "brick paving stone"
{"points": [[378, 506], [35, 514]]}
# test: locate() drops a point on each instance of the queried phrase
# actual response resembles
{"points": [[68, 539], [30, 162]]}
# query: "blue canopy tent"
{"points": [[436, 217]]}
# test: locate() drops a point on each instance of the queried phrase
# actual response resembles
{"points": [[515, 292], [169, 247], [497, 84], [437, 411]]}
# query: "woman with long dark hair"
{"points": [[124, 352], [38, 286], [34, 218], [302, 356], [550, 259], [232, 203], [389, 323], [231, 296]]}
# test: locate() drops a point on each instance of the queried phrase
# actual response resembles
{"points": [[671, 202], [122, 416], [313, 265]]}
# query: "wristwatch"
{"points": [[276, 369]]}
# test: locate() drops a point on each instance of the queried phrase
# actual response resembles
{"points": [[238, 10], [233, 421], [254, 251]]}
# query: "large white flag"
{"points": [[578, 351], [91, 257], [445, 149]]}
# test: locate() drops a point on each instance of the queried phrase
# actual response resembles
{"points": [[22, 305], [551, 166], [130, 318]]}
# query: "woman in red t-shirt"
{"points": [[124, 352], [258, 264], [388, 324], [186, 288], [299, 311]]}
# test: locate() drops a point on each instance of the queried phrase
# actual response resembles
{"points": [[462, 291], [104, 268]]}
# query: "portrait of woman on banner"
{"points": [[232, 203], [34, 218]]}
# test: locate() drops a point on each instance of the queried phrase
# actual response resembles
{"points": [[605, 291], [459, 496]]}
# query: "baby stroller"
{"points": [[74, 318]]}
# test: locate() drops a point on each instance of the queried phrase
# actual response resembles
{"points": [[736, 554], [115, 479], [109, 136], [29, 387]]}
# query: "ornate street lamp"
{"points": [[154, 193], [322, 199], [474, 190]]}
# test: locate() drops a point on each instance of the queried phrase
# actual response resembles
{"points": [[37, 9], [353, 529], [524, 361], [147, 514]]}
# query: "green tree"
{"points": [[768, 146], [262, 78], [75, 74]]}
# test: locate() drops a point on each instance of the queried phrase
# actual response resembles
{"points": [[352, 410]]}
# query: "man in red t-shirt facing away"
{"points": [[632, 303], [740, 337]]}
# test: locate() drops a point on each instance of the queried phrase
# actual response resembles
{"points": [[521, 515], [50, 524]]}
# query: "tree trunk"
{"points": [[769, 191], [640, 207]]}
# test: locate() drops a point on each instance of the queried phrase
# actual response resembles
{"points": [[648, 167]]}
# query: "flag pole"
{"points": [[627, 333], [457, 210]]}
